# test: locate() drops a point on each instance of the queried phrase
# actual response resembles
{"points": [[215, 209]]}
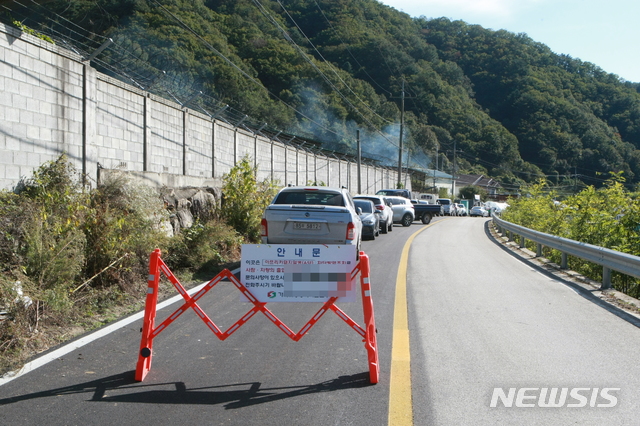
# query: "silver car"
{"points": [[403, 211], [312, 215], [478, 211]]}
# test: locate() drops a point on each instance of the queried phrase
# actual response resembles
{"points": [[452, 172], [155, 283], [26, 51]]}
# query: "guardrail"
{"points": [[609, 259]]}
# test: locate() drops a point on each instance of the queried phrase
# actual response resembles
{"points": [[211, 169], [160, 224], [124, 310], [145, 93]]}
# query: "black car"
{"points": [[370, 218]]}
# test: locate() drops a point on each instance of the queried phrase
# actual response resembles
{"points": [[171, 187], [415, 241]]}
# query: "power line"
{"points": [[331, 67], [287, 37], [349, 50]]}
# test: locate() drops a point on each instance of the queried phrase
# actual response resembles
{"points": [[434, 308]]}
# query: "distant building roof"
{"points": [[430, 173], [477, 180]]}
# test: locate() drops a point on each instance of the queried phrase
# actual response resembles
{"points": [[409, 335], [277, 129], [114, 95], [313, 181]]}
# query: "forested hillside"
{"points": [[323, 68]]}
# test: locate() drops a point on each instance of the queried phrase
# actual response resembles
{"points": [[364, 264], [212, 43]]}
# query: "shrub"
{"points": [[244, 199], [204, 245], [77, 253], [54, 244], [124, 227], [606, 217]]}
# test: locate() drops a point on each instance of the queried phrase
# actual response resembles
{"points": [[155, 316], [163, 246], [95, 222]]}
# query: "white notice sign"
{"points": [[298, 273]]}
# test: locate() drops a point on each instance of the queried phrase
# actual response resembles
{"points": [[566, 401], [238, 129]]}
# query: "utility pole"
{"points": [[435, 189], [453, 172], [407, 176], [359, 161], [400, 149]]}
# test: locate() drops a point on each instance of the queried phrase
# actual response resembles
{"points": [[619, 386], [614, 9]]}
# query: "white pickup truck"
{"points": [[312, 215]]}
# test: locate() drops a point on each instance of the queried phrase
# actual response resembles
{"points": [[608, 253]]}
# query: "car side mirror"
{"points": [[359, 210]]}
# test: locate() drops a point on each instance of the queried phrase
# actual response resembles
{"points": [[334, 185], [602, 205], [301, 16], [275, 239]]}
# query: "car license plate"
{"points": [[306, 225]]}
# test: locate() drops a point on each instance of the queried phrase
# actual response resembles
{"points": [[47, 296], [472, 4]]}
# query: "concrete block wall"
{"points": [[224, 148], [291, 166], [279, 166], [323, 170], [118, 138], [199, 145], [345, 179], [40, 105], [166, 143], [51, 102], [263, 159], [369, 180], [245, 146], [353, 176], [333, 177]]}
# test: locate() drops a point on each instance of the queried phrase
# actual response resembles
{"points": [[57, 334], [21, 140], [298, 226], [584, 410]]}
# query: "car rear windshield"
{"points": [[393, 192], [374, 200], [366, 206], [398, 201], [310, 197]]}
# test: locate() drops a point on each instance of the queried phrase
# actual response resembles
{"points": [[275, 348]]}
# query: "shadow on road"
{"points": [[123, 388], [587, 293]]}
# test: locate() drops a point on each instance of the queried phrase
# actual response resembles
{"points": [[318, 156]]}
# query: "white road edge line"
{"points": [[47, 358]]}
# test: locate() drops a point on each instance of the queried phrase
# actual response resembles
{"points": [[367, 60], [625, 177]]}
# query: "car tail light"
{"points": [[380, 207], [351, 231], [264, 229]]}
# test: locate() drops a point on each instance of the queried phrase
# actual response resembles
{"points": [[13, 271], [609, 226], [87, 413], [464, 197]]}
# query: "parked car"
{"points": [[370, 218], [403, 210], [312, 215], [382, 205], [478, 211], [496, 208], [448, 206], [395, 193], [461, 210]]}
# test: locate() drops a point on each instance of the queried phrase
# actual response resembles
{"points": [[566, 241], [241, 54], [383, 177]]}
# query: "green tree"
{"points": [[469, 192]]}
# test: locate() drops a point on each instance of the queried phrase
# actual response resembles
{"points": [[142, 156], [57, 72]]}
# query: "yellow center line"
{"points": [[400, 397]]}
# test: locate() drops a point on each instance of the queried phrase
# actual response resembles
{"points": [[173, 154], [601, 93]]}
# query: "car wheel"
{"points": [[384, 227], [407, 219], [390, 225], [426, 218]]}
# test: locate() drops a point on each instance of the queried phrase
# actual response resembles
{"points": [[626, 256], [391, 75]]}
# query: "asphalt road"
{"points": [[478, 319], [256, 376]]}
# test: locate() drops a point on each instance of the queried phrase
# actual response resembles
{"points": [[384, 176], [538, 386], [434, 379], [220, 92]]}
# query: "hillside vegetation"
{"points": [[322, 69]]}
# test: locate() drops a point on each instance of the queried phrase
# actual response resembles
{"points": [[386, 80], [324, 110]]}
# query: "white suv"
{"points": [[403, 210]]}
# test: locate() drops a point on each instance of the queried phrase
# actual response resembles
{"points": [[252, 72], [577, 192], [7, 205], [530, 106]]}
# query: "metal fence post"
{"points": [[606, 278], [563, 262], [538, 250]]}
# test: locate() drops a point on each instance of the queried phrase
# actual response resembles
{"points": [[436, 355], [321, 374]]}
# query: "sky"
{"points": [[603, 32]]}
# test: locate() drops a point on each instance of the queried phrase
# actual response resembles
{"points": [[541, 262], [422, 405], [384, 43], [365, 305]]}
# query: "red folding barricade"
{"points": [[150, 331]]}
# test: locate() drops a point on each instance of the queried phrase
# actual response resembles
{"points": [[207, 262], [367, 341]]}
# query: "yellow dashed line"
{"points": [[400, 398]]}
